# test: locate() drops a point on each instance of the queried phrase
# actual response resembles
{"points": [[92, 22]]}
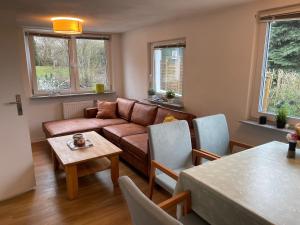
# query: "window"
{"points": [[167, 66], [91, 61], [67, 64], [51, 63], [280, 86]]}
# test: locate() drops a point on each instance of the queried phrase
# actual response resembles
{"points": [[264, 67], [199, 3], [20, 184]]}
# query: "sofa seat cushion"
{"points": [[136, 145], [116, 132], [71, 126], [143, 114]]}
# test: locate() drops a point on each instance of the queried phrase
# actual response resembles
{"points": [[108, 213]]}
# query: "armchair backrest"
{"points": [[170, 144], [142, 210], [212, 134]]}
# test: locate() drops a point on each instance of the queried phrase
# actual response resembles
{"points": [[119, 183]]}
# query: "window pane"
{"points": [[91, 60], [51, 63], [168, 69], [282, 69]]}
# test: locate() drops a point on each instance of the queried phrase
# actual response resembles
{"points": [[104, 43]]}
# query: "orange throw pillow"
{"points": [[106, 110]]}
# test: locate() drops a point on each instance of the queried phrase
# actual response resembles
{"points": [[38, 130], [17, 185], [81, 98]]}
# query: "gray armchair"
{"points": [[171, 152], [212, 135], [144, 212]]}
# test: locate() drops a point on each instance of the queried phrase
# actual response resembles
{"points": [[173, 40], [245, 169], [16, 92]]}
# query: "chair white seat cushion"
{"points": [[167, 182], [193, 219]]}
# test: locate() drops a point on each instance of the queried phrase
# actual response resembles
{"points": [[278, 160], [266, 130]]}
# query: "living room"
{"points": [[223, 65]]}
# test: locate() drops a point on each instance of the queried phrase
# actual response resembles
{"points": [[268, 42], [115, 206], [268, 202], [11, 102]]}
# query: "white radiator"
{"points": [[75, 109]]}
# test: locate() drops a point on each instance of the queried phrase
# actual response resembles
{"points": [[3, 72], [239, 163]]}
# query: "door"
{"points": [[16, 165]]}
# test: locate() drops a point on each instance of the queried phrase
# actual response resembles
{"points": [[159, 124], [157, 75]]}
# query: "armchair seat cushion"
{"points": [[136, 145], [166, 182], [71, 126], [116, 132]]}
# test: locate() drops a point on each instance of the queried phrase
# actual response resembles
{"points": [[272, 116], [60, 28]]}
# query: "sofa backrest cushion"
{"points": [[143, 114], [162, 113], [125, 108]]}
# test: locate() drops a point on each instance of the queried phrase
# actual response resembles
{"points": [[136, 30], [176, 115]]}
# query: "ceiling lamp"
{"points": [[67, 25]]}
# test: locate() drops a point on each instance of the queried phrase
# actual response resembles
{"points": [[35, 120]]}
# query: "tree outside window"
{"points": [[282, 68]]}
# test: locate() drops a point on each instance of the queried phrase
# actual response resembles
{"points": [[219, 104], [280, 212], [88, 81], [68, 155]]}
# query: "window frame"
{"points": [[260, 61], [152, 80], [73, 70]]}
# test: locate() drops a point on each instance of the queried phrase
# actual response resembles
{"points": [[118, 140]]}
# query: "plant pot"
{"points": [[292, 146], [171, 100], [280, 124], [152, 97], [292, 150]]}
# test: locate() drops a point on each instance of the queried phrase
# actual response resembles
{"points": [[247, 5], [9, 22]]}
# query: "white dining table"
{"points": [[256, 186]]}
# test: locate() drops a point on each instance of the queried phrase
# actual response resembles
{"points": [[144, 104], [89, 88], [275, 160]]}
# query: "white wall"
{"points": [[41, 110], [218, 64]]}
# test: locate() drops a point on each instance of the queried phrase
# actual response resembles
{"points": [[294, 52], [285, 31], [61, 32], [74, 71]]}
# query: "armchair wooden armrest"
{"points": [[166, 170], [184, 197], [156, 165], [204, 154], [233, 143]]}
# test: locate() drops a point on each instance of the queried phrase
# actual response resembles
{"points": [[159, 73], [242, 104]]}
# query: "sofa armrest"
{"points": [[90, 112]]}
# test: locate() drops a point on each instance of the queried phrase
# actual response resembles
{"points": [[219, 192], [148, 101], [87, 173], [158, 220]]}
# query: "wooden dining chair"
{"points": [[212, 135], [144, 212], [171, 152]]}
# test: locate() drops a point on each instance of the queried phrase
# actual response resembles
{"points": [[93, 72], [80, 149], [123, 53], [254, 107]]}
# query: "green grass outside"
{"points": [[62, 72]]}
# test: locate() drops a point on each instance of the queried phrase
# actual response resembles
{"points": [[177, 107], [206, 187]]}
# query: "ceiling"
{"points": [[111, 15]]}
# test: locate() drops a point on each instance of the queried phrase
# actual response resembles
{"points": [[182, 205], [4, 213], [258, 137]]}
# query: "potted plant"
{"points": [[170, 95], [281, 117]]}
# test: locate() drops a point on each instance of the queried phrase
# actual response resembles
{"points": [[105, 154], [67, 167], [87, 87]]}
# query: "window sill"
{"points": [[166, 104], [69, 95], [266, 126]]}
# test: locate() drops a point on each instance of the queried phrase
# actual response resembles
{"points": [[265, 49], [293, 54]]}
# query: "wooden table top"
{"points": [[101, 148]]}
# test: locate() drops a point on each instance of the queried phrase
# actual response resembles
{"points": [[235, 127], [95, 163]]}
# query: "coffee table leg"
{"points": [[115, 169], [55, 161], [72, 181]]}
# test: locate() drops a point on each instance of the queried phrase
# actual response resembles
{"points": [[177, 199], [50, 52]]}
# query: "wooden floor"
{"points": [[97, 202]]}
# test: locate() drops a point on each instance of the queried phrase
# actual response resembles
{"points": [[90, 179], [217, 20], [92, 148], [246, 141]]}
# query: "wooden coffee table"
{"points": [[102, 156]]}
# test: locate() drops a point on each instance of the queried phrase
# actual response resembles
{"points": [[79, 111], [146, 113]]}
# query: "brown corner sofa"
{"points": [[128, 131]]}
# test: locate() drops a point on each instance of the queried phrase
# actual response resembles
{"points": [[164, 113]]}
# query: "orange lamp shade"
{"points": [[67, 25]]}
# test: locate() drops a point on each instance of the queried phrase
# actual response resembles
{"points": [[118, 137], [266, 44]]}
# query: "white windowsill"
{"points": [[69, 95], [167, 104], [269, 126]]}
